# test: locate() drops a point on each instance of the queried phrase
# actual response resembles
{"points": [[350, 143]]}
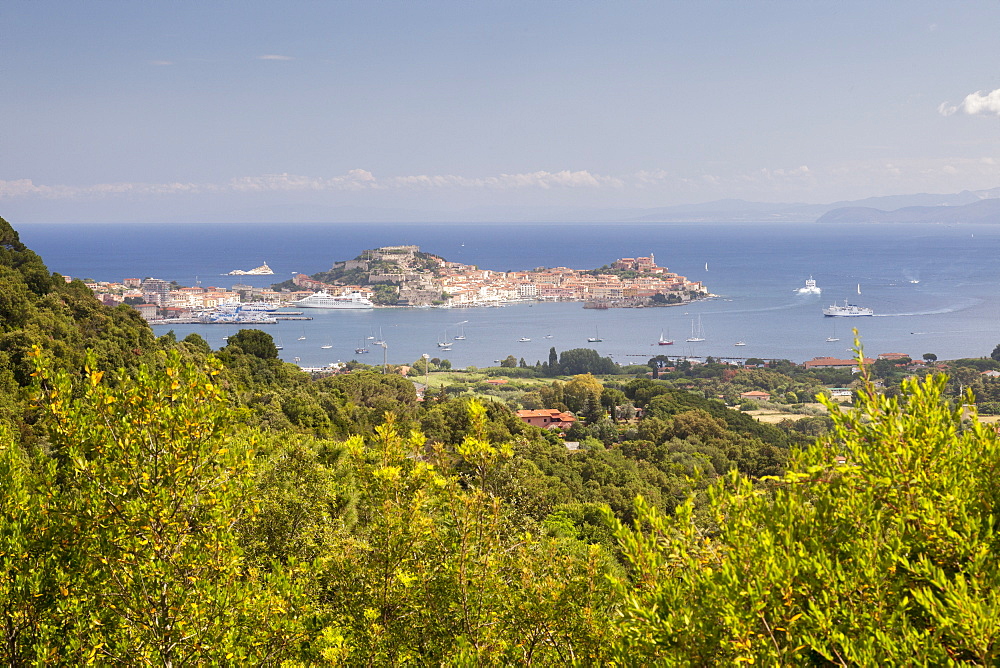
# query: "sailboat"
{"points": [[596, 338], [461, 336], [664, 342], [303, 337], [279, 344], [444, 344], [327, 346], [361, 348], [697, 333], [379, 341], [833, 338]]}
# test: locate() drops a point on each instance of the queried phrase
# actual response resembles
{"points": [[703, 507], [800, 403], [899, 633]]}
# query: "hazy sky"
{"points": [[174, 110]]}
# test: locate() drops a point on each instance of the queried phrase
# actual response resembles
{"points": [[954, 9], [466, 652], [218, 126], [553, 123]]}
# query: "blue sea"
{"points": [[934, 288]]}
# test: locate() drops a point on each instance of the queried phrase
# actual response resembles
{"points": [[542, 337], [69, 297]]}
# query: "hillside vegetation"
{"points": [[164, 503]]}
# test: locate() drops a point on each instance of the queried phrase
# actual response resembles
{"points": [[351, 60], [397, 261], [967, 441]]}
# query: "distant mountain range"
{"points": [[981, 211], [968, 206], [979, 206]]}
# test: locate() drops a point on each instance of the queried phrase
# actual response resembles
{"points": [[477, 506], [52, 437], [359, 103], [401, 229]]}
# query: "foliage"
{"points": [[40, 309], [132, 515], [432, 574], [886, 559], [254, 342], [584, 360]]}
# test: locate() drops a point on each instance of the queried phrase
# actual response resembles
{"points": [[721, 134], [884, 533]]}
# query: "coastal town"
{"points": [[405, 276]]}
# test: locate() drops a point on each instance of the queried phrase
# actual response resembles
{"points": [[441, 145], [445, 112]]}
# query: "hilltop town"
{"points": [[406, 276]]}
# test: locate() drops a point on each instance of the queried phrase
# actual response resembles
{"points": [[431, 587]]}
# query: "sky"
{"points": [[204, 110]]}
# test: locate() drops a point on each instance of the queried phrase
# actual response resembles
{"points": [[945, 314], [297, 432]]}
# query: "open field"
{"points": [[771, 416]]}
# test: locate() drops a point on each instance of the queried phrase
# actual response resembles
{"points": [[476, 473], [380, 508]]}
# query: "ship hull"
{"points": [[327, 301]]}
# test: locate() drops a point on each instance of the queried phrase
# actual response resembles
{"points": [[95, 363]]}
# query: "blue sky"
{"points": [[180, 110]]}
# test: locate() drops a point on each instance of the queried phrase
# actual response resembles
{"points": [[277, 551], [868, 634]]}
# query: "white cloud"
{"points": [[541, 180], [978, 103], [353, 180], [975, 103], [273, 56], [161, 63], [356, 179], [27, 188]]}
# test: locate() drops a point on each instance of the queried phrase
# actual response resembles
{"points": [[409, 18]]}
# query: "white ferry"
{"points": [[324, 299], [847, 310]]}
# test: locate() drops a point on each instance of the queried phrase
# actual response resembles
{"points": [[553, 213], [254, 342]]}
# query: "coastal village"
{"points": [[418, 279], [421, 279]]}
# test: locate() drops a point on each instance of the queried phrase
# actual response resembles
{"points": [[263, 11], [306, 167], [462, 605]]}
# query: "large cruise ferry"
{"points": [[324, 299], [847, 310]]}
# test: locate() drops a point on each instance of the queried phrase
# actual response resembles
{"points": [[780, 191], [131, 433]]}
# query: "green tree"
{"points": [[582, 394], [612, 399], [885, 557], [254, 342], [584, 360], [436, 573], [146, 476]]}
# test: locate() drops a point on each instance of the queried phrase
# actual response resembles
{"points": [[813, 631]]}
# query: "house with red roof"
{"points": [[834, 363], [756, 395], [547, 418]]}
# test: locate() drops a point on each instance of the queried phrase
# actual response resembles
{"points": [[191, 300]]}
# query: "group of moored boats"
{"points": [[261, 313]]}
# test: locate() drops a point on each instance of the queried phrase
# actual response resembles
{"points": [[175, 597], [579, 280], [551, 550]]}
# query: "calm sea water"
{"points": [[934, 288]]}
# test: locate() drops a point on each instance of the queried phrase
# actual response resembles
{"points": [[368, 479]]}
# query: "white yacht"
{"points": [[697, 333], [262, 270], [324, 299], [810, 288]]}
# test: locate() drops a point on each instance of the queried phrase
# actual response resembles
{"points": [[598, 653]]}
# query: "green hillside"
{"points": [[164, 503]]}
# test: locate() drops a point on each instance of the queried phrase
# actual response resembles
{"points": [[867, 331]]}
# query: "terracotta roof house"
{"points": [[549, 418], [756, 395], [834, 363]]}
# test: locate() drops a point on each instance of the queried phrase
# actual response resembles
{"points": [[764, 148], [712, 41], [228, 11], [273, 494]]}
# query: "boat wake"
{"points": [[781, 307], [949, 309]]}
